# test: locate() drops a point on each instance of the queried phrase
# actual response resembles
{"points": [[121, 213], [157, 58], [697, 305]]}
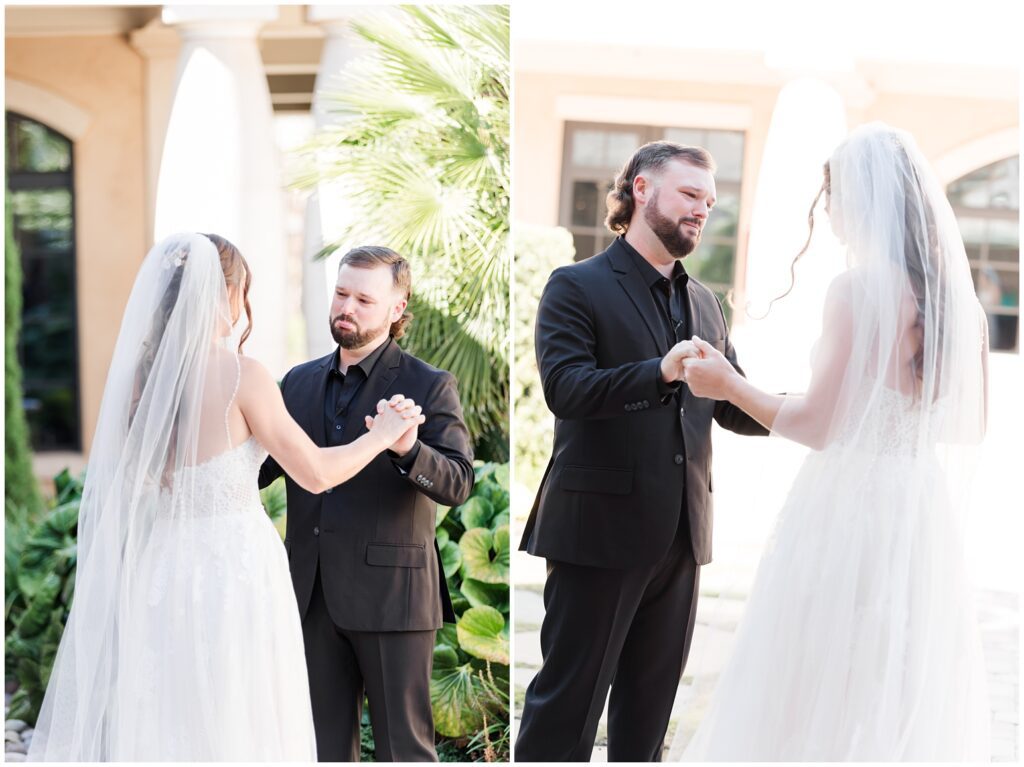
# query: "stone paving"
{"points": [[717, 617]]}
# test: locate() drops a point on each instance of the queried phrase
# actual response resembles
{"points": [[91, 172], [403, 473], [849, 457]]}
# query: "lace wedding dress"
{"points": [[184, 640], [859, 640], [231, 569]]}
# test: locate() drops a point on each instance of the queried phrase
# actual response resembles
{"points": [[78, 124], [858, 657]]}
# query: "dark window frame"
{"points": [[22, 180]]}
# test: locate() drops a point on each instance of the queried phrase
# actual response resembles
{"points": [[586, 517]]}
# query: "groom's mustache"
{"points": [[694, 221], [345, 318]]}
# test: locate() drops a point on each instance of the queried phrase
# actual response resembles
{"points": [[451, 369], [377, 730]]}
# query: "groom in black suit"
{"points": [[623, 514], [364, 562]]}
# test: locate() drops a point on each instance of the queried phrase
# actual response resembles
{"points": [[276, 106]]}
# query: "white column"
{"points": [[808, 122], [220, 167], [159, 45], [326, 210]]}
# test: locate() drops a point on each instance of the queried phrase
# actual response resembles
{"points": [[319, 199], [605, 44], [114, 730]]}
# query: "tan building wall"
{"points": [[103, 77], [555, 84]]}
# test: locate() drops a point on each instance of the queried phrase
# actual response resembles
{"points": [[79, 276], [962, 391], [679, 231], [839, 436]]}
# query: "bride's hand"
{"points": [[394, 418], [710, 374]]}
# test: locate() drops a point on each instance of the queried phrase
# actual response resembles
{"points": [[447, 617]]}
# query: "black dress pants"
{"points": [[627, 629], [392, 668]]}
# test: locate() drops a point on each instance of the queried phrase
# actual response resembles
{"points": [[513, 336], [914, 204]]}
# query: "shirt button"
{"points": [[316, 531], [678, 459], [329, 490], [337, 427]]}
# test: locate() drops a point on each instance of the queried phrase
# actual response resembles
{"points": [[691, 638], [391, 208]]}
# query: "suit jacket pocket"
{"points": [[396, 555], [596, 479]]}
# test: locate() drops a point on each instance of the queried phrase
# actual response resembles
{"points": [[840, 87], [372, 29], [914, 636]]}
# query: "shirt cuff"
{"points": [[404, 462]]}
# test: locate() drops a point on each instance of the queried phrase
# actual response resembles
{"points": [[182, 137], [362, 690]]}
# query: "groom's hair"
{"points": [[652, 156], [373, 256]]}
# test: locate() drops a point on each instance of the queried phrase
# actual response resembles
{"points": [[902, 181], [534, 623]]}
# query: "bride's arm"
{"points": [[315, 468], [808, 417]]}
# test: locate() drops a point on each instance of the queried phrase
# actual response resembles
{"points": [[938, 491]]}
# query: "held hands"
{"points": [[397, 421], [707, 373]]}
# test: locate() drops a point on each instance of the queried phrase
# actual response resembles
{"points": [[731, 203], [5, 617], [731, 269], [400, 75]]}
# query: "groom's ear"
{"points": [[398, 309], [641, 188]]}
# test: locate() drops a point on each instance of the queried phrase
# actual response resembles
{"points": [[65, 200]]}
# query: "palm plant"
{"points": [[419, 150]]}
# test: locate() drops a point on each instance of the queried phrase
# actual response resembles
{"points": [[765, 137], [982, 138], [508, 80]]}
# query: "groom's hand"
{"points": [[708, 375], [672, 363], [403, 444]]}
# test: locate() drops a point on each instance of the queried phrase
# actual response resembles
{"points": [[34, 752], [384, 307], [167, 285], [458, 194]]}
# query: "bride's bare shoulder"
{"points": [[254, 376]]}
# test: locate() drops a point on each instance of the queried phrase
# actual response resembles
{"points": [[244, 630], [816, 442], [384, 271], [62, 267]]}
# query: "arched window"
{"points": [[987, 204], [40, 183]]}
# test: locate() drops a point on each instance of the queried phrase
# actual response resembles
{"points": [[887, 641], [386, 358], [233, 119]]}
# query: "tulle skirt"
{"points": [[859, 640], [213, 667]]}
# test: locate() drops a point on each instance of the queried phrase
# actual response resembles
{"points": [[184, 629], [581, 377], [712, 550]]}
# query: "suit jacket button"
{"points": [[646, 403], [316, 531], [682, 412], [678, 459], [626, 407]]}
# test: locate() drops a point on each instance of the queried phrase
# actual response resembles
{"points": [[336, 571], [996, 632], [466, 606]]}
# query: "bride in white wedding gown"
{"points": [[184, 641], [858, 641]]}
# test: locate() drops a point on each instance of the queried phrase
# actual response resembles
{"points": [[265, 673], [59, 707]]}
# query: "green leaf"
{"points": [[485, 556], [453, 693], [476, 512], [480, 631], [445, 657], [443, 536], [442, 512], [482, 594], [501, 476], [451, 558]]}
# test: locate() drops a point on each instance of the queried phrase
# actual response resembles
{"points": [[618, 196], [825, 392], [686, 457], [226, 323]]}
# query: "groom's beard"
{"points": [[676, 242], [354, 339]]}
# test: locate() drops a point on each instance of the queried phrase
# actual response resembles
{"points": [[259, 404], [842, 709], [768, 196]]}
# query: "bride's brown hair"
{"points": [[236, 273]]}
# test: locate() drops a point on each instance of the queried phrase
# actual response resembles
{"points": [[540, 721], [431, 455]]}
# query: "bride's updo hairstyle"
{"points": [[236, 274]]}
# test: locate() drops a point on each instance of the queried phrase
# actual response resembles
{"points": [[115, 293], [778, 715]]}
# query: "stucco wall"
{"points": [[103, 76]]}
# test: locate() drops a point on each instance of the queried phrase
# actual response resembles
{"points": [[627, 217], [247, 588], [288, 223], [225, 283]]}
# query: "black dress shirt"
{"points": [[672, 300], [341, 391]]}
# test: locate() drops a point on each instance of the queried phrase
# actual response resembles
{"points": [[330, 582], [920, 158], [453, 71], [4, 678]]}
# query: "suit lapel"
{"points": [[694, 323], [373, 389], [316, 396], [639, 293]]}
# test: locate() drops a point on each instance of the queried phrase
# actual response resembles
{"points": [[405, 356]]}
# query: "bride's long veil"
{"points": [[170, 384], [872, 652]]}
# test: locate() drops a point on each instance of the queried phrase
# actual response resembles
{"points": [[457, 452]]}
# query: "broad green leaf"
{"points": [[445, 657], [482, 594], [476, 512], [485, 556], [454, 695], [501, 476], [443, 536], [480, 634], [451, 558]]}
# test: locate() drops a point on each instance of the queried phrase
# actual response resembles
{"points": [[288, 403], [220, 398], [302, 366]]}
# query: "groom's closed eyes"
{"points": [[362, 297]]}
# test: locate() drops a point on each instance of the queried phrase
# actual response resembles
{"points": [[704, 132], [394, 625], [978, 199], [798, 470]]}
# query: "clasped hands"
{"points": [[701, 366], [397, 420]]}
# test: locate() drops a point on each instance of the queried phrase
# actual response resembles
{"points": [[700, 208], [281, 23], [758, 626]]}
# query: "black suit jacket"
{"points": [[624, 454], [373, 536]]}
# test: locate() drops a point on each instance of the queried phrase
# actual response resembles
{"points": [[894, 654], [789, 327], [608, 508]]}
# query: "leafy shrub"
{"points": [[470, 681]]}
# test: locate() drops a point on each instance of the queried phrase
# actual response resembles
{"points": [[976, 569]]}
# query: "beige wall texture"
{"points": [[555, 84], [103, 77]]}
